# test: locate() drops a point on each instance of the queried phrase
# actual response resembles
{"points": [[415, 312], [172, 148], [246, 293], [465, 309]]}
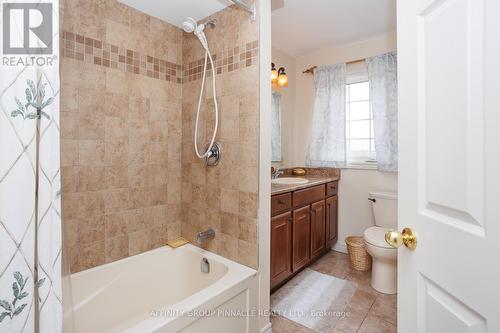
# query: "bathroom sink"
{"points": [[289, 181]]}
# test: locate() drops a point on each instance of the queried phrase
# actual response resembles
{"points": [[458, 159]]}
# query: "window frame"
{"points": [[369, 164]]}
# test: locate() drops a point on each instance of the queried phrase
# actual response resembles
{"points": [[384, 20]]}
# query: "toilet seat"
{"points": [[376, 237]]}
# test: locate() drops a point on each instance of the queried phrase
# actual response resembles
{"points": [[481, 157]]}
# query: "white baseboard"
{"points": [[340, 247], [267, 328]]}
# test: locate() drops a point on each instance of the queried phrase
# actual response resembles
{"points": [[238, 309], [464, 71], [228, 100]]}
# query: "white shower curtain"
{"points": [[327, 144], [383, 77], [30, 218]]}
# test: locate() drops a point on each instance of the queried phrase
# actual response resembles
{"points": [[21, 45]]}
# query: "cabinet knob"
{"points": [[281, 202]]}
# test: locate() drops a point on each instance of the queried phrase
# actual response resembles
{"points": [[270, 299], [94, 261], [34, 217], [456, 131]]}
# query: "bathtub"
{"points": [[164, 290]]}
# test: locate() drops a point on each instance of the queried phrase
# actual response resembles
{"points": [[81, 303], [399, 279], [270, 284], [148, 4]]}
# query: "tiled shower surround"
{"points": [[129, 87]]}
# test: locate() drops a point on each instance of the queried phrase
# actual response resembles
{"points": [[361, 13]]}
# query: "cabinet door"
{"points": [[281, 251], [301, 238], [331, 220], [318, 228]]}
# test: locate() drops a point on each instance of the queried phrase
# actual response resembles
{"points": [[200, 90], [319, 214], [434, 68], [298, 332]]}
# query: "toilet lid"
{"points": [[376, 237]]}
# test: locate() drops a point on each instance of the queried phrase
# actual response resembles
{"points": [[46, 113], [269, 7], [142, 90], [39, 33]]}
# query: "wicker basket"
{"points": [[360, 259]]}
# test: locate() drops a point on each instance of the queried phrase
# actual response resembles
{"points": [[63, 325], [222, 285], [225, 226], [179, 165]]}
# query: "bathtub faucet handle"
{"points": [[204, 236]]}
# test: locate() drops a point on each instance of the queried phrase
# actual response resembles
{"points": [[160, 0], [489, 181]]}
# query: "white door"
{"points": [[449, 179]]}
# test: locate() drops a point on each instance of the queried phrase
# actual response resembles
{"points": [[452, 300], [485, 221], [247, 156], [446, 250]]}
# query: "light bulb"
{"points": [[282, 78], [274, 73]]}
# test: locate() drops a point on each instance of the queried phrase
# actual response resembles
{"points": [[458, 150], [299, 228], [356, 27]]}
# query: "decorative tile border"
{"points": [[97, 52], [231, 60], [94, 51]]}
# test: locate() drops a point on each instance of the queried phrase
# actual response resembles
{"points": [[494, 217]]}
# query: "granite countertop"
{"points": [[313, 180]]}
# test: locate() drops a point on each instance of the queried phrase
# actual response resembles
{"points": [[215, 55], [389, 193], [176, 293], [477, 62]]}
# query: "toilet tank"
{"points": [[385, 208]]}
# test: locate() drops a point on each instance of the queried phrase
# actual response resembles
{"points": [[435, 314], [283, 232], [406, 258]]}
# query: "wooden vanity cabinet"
{"points": [[318, 228], [303, 227], [281, 248], [331, 220]]}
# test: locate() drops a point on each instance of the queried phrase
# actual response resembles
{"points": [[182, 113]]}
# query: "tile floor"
{"points": [[369, 311]]}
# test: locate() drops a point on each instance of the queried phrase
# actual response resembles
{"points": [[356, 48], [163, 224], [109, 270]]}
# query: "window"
{"points": [[360, 140]]}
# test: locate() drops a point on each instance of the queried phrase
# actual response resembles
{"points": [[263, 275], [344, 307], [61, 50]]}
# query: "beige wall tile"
{"points": [[69, 179], [91, 152], [70, 155], [116, 200], [247, 253], [248, 204], [91, 204], [70, 205], [117, 176], [91, 178], [91, 229], [130, 179], [230, 201], [90, 256], [249, 179], [92, 77], [116, 248], [247, 229], [69, 125], [116, 224], [229, 224], [116, 104], [139, 242]]}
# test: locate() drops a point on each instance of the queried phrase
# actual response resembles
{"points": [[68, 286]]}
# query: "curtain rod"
{"points": [[310, 70], [249, 8]]}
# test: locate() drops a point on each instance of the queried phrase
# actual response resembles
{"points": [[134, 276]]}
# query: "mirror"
{"points": [[276, 155]]}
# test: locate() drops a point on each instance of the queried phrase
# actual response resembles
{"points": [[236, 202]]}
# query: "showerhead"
{"points": [[189, 25]]}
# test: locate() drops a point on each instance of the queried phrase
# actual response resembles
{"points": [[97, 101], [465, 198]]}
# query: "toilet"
{"points": [[384, 257]]}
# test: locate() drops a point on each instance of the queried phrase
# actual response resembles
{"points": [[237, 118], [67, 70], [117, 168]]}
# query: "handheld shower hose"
{"points": [[190, 25]]}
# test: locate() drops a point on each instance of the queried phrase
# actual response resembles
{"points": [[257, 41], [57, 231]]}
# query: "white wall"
{"points": [[355, 214], [354, 208], [281, 59]]}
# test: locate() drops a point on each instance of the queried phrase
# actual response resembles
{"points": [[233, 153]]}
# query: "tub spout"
{"points": [[204, 236]]}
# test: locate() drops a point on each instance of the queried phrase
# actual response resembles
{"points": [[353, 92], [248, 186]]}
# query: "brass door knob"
{"points": [[396, 239]]}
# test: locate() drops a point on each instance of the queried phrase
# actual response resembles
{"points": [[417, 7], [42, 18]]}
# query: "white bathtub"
{"points": [[164, 290]]}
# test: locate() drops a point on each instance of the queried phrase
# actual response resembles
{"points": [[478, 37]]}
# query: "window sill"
{"points": [[362, 166]]}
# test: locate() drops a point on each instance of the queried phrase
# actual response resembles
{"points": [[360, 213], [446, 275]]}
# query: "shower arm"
{"points": [[249, 8]]}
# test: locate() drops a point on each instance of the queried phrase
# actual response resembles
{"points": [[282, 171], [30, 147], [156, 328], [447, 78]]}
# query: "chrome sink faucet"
{"points": [[277, 172], [204, 236]]}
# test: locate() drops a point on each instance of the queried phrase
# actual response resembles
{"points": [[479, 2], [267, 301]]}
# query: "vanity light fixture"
{"points": [[278, 77]]}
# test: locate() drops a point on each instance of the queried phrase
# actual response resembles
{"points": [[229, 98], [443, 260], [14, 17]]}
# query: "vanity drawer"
{"points": [[281, 203], [308, 195], [332, 189]]}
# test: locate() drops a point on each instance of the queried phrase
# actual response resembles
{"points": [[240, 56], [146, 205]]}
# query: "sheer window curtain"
{"points": [[276, 127], [382, 74], [327, 143]]}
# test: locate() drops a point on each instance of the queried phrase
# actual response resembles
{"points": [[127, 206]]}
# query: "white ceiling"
{"points": [[175, 11], [301, 26]]}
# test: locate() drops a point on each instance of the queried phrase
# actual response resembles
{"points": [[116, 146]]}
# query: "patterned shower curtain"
{"points": [[30, 213]]}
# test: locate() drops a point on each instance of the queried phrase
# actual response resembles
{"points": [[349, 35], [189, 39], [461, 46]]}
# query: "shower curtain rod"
{"points": [[310, 70], [249, 8]]}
